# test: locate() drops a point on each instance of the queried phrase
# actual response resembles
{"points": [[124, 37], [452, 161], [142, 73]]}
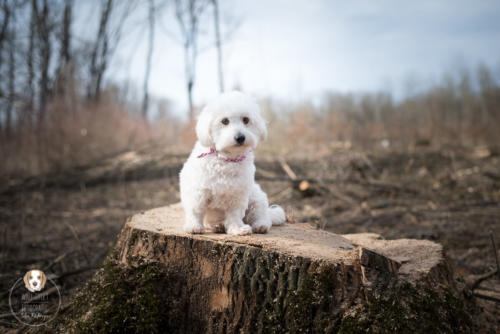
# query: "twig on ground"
{"points": [[475, 284], [495, 251], [341, 196], [80, 245], [490, 289], [288, 170], [59, 258], [280, 194], [487, 297], [7, 315], [21, 329], [75, 272], [374, 184], [29, 260]]}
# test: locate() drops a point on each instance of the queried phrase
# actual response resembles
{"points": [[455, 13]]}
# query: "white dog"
{"points": [[217, 181]]}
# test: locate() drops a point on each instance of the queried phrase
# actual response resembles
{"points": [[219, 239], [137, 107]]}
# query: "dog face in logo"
{"points": [[34, 280]]}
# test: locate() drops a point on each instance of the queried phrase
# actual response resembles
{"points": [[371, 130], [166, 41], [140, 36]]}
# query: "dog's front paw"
{"points": [[261, 227], [193, 228], [239, 229]]}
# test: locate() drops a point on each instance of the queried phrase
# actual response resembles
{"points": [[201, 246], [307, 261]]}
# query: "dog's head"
{"points": [[231, 123], [34, 280]]}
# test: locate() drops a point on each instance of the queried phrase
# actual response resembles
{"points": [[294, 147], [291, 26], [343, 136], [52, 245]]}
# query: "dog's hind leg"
{"points": [[234, 223], [257, 214]]}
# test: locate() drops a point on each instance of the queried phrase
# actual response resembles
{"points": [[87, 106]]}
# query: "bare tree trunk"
{"points": [[45, 53], [218, 44], [4, 26], [64, 48], [188, 18], [151, 18], [98, 61], [66, 32], [3, 35], [30, 65], [189, 81], [11, 82]]}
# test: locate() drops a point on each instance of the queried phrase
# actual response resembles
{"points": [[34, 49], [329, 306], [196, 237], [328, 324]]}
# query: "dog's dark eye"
{"points": [[246, 120], [225, 121]]}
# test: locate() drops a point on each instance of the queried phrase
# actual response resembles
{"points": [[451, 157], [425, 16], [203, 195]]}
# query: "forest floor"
{"points": [[65, 223]]}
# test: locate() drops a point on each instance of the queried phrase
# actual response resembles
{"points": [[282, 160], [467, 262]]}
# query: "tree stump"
{"points": [[294, 279]]}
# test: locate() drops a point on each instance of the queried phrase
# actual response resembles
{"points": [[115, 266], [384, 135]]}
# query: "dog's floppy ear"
{"points": [[260, 124], [203, 127], [44, 279], [26, 279]]}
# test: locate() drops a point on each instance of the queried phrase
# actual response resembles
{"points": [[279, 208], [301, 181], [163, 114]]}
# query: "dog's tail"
{"points": [[277, 214]]}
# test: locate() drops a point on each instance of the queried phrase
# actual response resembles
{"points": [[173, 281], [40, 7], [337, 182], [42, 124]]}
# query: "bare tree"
{"points": [[64, 47], [43, 29], [11, 77], [65, 40], [151, 20], [107, 40], [30, 63], [188, 14], [218, 44], [6, 13], [98, 58]]}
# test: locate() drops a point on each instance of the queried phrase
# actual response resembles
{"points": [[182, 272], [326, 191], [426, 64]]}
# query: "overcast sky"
{"points": [[298, 49]]}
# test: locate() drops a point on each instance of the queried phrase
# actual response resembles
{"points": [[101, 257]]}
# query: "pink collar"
{"points": [[214, 151]]}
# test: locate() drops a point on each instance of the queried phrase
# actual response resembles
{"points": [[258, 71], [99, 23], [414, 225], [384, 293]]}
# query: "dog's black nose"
{"points": [[240, 138]]}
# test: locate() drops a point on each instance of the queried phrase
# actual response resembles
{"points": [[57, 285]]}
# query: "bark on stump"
{"points": [[295, 279]]}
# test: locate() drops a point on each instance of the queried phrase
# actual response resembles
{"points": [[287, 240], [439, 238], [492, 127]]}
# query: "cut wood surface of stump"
{"points": [[294, 279]]}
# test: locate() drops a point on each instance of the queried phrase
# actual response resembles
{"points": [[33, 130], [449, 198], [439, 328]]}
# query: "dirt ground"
{"points": [[67, 222]]}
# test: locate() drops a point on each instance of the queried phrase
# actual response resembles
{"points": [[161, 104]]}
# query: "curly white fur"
{"points": [[218, 189]]}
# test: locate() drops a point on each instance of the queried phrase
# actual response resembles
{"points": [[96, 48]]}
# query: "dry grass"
{"points": [[462, 111], [79, 136]]}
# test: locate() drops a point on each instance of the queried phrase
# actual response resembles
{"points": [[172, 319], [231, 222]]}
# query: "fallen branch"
{"points": [[280, 194], [495, 251], [78, 241], [475, 283], [8, 315], [374, 184], [75, 272], [59, 259], [288, 170], [303, 185], [486, 288], [21, 330], [487, 297]]}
